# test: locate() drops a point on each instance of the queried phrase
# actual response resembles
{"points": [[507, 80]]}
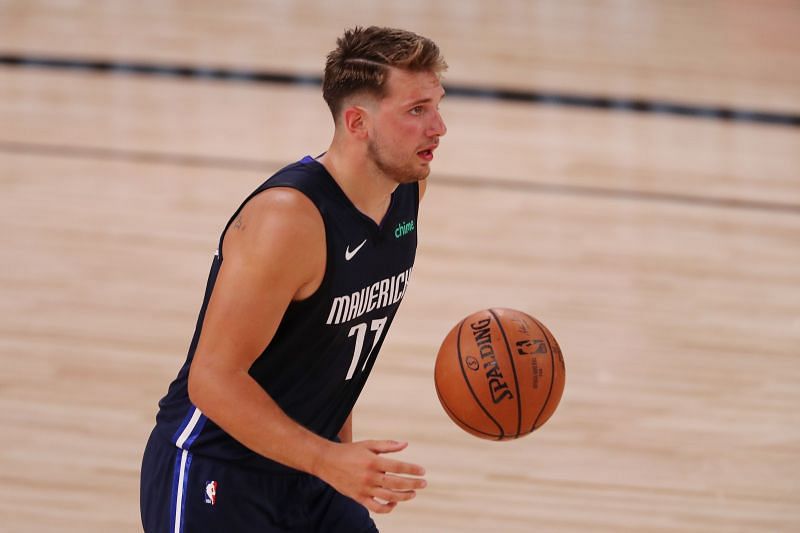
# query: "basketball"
{"points": [[499, 374]]}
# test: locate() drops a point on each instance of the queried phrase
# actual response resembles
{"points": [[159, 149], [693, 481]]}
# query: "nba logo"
{"points": [[211, 492], [530, 347]]}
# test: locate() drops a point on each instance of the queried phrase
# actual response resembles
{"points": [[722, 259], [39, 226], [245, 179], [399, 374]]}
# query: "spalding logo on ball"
{"points": [[499, 374]]}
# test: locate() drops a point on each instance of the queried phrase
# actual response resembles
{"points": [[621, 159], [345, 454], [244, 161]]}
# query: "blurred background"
{"points": [[626, 171]]}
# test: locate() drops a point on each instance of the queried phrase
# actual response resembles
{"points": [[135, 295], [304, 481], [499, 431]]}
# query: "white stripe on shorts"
{"points": [[189, 427], [179, 493]]}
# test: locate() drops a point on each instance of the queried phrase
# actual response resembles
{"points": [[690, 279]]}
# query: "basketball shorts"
{"points": [[185, 493]]}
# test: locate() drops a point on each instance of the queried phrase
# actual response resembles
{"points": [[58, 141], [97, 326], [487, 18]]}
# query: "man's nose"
{"points": [[437, 127]]}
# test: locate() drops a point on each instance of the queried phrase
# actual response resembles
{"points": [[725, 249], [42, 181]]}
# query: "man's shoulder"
{"points": [[306, 175], [279, 222], [305, 168], [282, 203]]}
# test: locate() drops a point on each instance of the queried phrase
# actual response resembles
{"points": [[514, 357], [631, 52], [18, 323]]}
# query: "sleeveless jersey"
{"points": [[325, 346]]}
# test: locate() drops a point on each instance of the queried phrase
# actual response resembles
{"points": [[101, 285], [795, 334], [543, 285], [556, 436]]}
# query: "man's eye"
{"points": [[416, 110]]}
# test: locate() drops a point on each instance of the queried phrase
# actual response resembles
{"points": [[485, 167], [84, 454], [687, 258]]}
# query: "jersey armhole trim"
{"points": [[328, 251]]}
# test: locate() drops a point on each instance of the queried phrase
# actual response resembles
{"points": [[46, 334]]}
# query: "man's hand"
{"points": [[358, 471]]}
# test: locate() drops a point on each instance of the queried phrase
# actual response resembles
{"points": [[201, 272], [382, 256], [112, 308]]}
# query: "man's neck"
{"points": [[367, 188]]}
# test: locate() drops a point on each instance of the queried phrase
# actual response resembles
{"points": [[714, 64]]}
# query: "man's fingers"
{"points": [[391, 465], [378, 507], [399, 467], [384, 500], [389, 481], [386, 446], [393, 496]]}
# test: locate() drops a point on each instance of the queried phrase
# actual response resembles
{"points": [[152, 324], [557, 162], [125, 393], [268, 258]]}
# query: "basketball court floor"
{"points": [[626, 172]]}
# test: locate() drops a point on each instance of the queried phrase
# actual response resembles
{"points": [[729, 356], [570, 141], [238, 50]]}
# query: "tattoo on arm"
{"points": [[238, 223]]}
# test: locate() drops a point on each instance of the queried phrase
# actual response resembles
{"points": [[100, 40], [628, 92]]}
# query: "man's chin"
{"points": [[424, 172]]}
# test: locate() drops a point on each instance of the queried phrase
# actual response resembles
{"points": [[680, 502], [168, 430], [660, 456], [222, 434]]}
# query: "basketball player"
{"points": [[255, 433]]}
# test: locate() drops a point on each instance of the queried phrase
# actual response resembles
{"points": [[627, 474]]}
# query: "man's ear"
{"points": [[356, 121]]}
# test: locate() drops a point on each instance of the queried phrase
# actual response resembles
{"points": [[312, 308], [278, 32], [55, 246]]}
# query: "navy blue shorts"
{"points": [[185, 493]]}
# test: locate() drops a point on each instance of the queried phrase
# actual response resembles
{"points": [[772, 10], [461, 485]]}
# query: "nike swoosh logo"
{"points": [[348, 255]]}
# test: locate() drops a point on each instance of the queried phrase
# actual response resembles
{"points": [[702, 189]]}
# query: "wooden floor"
{"points": [[662, 251]]}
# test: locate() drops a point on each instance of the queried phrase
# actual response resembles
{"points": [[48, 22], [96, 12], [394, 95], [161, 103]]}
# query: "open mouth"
{"points": [[427, 155]]}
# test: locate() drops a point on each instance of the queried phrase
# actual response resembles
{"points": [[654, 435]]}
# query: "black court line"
{"points": [[550, 98], [267, 167]]}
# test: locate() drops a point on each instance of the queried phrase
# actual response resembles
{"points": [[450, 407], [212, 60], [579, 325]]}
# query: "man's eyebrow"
{"points": [[424, 100], [420, 101]]}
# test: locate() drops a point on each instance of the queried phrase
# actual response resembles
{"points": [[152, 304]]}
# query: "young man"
{"points": [[255, 433]]}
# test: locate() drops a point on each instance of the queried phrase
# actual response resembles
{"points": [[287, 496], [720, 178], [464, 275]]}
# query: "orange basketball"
{"points": [[499, 374]]}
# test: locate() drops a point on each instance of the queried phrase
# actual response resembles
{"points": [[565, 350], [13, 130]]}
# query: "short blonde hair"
{"points": [[362, 58]]}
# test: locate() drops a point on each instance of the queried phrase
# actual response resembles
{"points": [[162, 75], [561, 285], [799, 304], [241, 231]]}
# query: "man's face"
{"points": [[407, 126]]}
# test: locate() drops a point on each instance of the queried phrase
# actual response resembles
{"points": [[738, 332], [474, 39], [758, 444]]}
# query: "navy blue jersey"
{"points": [[325, 346]]}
